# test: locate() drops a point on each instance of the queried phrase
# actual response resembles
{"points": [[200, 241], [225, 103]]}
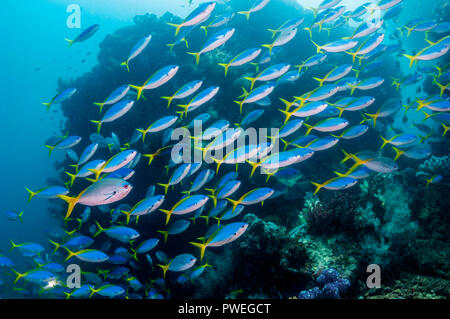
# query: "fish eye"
{"points": [[126, 186]]}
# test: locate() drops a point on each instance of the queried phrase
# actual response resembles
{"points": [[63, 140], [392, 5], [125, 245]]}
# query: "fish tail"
{"points": [[47, 105], [50, 149], [411, 58], [318, 187], [170, 45], [70, 42], [20, 217], [346, 158], [144, 133], [72, 201], [55, 244], [286, 143], [319, 80], [214, 198], [234, 202], [165, 186], [165, 233], [93, 291], [138, 89], [409, 31], [353, 54], [164, 269], [168, 214], [100, 105], [68, 294], [177, 27], [319, 48], [201, 246], [373, 117], [353, 88], [341, 110], [32, 194], [340, 174], [100, 229], [285, 112], [70, 253], [99, 125], [256, 65], [245, 13], [18, 276], [226, 66], [254, 166], [445, 129], [385, 141], [240, 103], [252, 81], [13, 245], [309, 29], [310, 127], [126, 64], [197, 56], [287, 103], [204, 28], [269, 46], [128, 214], [169, 100], [398, 152], [273, 32], [72, 178]]}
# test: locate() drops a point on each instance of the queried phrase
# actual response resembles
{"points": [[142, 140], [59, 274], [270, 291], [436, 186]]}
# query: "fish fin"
{"points": [[319, 48], [385, 141], [99, 125], [139, 91], [319, 80], [128, 214], [18, 275], [398, 152], [197, 56], [169, 100], [72, 178], [273, 32], [171, 45], [70, 42], [168, 214], [70, 253], [32, 194], [165, 186], [310, 127], [126, 64], [240, 103], [245, 13], [269, 46], [318, 187], [47, 105], [411, 59], [55, 244], [177, 26], [201, 246], [100, 229], [50, 149], [165, 233], [72, 201], [445, 129], [226, 66], [254, 166]]}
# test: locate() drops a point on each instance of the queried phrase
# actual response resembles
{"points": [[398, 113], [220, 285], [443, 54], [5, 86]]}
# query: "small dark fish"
{"points": [[86, 34]]}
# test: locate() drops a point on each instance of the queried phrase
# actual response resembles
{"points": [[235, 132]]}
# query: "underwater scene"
{"points": [[229, 149]]}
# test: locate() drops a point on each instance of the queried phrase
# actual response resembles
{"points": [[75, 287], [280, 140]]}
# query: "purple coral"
{"points": [[331, 286]]}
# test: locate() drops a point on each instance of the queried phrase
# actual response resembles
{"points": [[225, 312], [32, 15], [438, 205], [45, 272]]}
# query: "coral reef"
{"points": [[330, 286]]}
